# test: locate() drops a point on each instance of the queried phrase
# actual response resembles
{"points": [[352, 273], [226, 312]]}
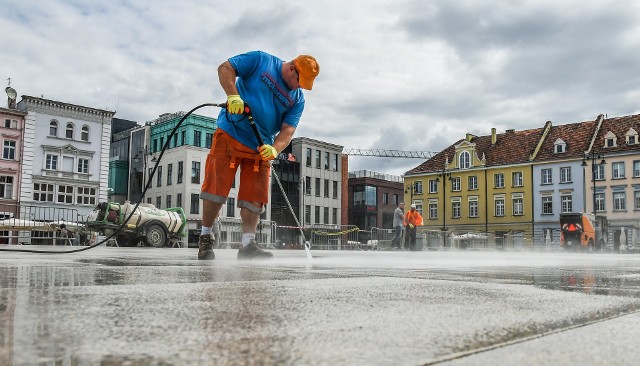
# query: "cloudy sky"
{"points": [[398, 75]]}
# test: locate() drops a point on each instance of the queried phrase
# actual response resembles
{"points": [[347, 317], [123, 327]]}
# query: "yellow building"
{"points": [[480, 184]]}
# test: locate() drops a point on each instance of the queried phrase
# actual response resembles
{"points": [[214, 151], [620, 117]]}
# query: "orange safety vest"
{"points": [[413, 217]]}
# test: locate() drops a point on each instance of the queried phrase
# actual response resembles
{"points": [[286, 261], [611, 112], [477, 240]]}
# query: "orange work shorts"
{"points": [[224, 158]]}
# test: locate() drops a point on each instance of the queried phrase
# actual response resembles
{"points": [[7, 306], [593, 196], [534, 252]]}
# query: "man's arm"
{"points": [[227, 75], [283, 138]]}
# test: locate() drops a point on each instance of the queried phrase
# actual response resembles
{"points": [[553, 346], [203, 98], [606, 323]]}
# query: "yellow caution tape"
{"points": [[335, 233]]}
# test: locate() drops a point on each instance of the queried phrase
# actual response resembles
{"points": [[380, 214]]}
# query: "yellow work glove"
{"points": [[267, 152], [235, 104], [411, 226]]}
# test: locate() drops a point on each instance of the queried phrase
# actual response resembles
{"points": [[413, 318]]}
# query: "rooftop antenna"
{"points": [[11, 95]]}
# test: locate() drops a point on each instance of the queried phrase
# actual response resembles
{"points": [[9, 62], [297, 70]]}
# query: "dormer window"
{"points": [[610, 140], [559, 146], [464, 161], [631, 137]]}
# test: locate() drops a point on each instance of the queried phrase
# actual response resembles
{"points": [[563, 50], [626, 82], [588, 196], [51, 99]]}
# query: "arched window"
{"points": [[69, 132], [465, 160], [53, 128], [85, 133]]}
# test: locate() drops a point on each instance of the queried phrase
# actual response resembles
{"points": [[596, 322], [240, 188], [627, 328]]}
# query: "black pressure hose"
{"points": [[144, 192]]}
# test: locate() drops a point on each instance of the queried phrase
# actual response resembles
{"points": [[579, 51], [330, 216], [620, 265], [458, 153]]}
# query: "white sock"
{"points": [[247, 237], [205, 231]]}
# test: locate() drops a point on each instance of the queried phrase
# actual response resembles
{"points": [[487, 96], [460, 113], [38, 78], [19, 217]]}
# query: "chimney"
{"points": [[494, 138]]}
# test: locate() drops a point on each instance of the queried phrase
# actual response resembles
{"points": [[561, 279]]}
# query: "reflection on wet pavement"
{"points": [[121, 306]]}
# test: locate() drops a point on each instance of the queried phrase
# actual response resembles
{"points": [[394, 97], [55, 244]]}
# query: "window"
{"points": [[518, 205], [308, 157], [53, 128], [326, 161], [317, 187], [158, 202], [636, 168], [175, 140], [307, 186], [42, 192], [455, 184], [385, 198], [433, 186], [465, 160], [326, 188], [498, 180], [559, 146], [83, 166], [473, 207], [159, 177], [617, 170], [395, 199], [335, 189], [546, 176], [6, 186], [599, 172], [334, 163], [169, 201], [455, 209], [318, 159], [499, 206], [610, 140], [619, 201], [179, 200], [636, 200], [84, 135], [334, 214], [326, 215], [86, 196], [317, 214], [195, 172], [473, 182], [69, 131], [418, 204], [197, 138], [180, 171], [9, 150], [231, 207], [307, 214], [169, 175], [632, 137], [547, 205], [516, 179], [433, 210], [183, 138], [566, 203], [208, 138], [600, 202], [9, 123], [417, 187], [565, 174], [195, 203], [65, 194], [52, 162]]}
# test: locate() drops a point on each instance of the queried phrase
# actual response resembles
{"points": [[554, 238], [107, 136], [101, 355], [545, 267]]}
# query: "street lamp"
{"points": [[593, 157], [446, 175]]}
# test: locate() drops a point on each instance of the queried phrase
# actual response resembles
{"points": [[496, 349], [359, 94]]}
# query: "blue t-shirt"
{"points": [[272, 103]]}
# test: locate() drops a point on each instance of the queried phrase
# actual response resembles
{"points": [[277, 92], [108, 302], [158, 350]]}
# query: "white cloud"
{"points": [[394, 75]]}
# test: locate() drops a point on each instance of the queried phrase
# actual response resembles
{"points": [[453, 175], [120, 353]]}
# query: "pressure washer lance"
{"points": [[254, 128]]}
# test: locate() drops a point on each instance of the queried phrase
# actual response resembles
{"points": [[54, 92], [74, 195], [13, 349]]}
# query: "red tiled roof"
{"points": [[511, 148], [577, 137], [619, 126]]}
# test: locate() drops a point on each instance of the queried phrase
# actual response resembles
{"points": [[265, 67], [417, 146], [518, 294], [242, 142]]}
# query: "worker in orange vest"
{"points": [[412, 219]]}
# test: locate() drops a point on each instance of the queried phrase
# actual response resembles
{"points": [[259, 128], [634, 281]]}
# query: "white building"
{"points": [[321, 174], [65, 164]]}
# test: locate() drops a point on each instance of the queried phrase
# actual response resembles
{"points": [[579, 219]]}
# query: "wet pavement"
{"points": [[147, 306]]}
